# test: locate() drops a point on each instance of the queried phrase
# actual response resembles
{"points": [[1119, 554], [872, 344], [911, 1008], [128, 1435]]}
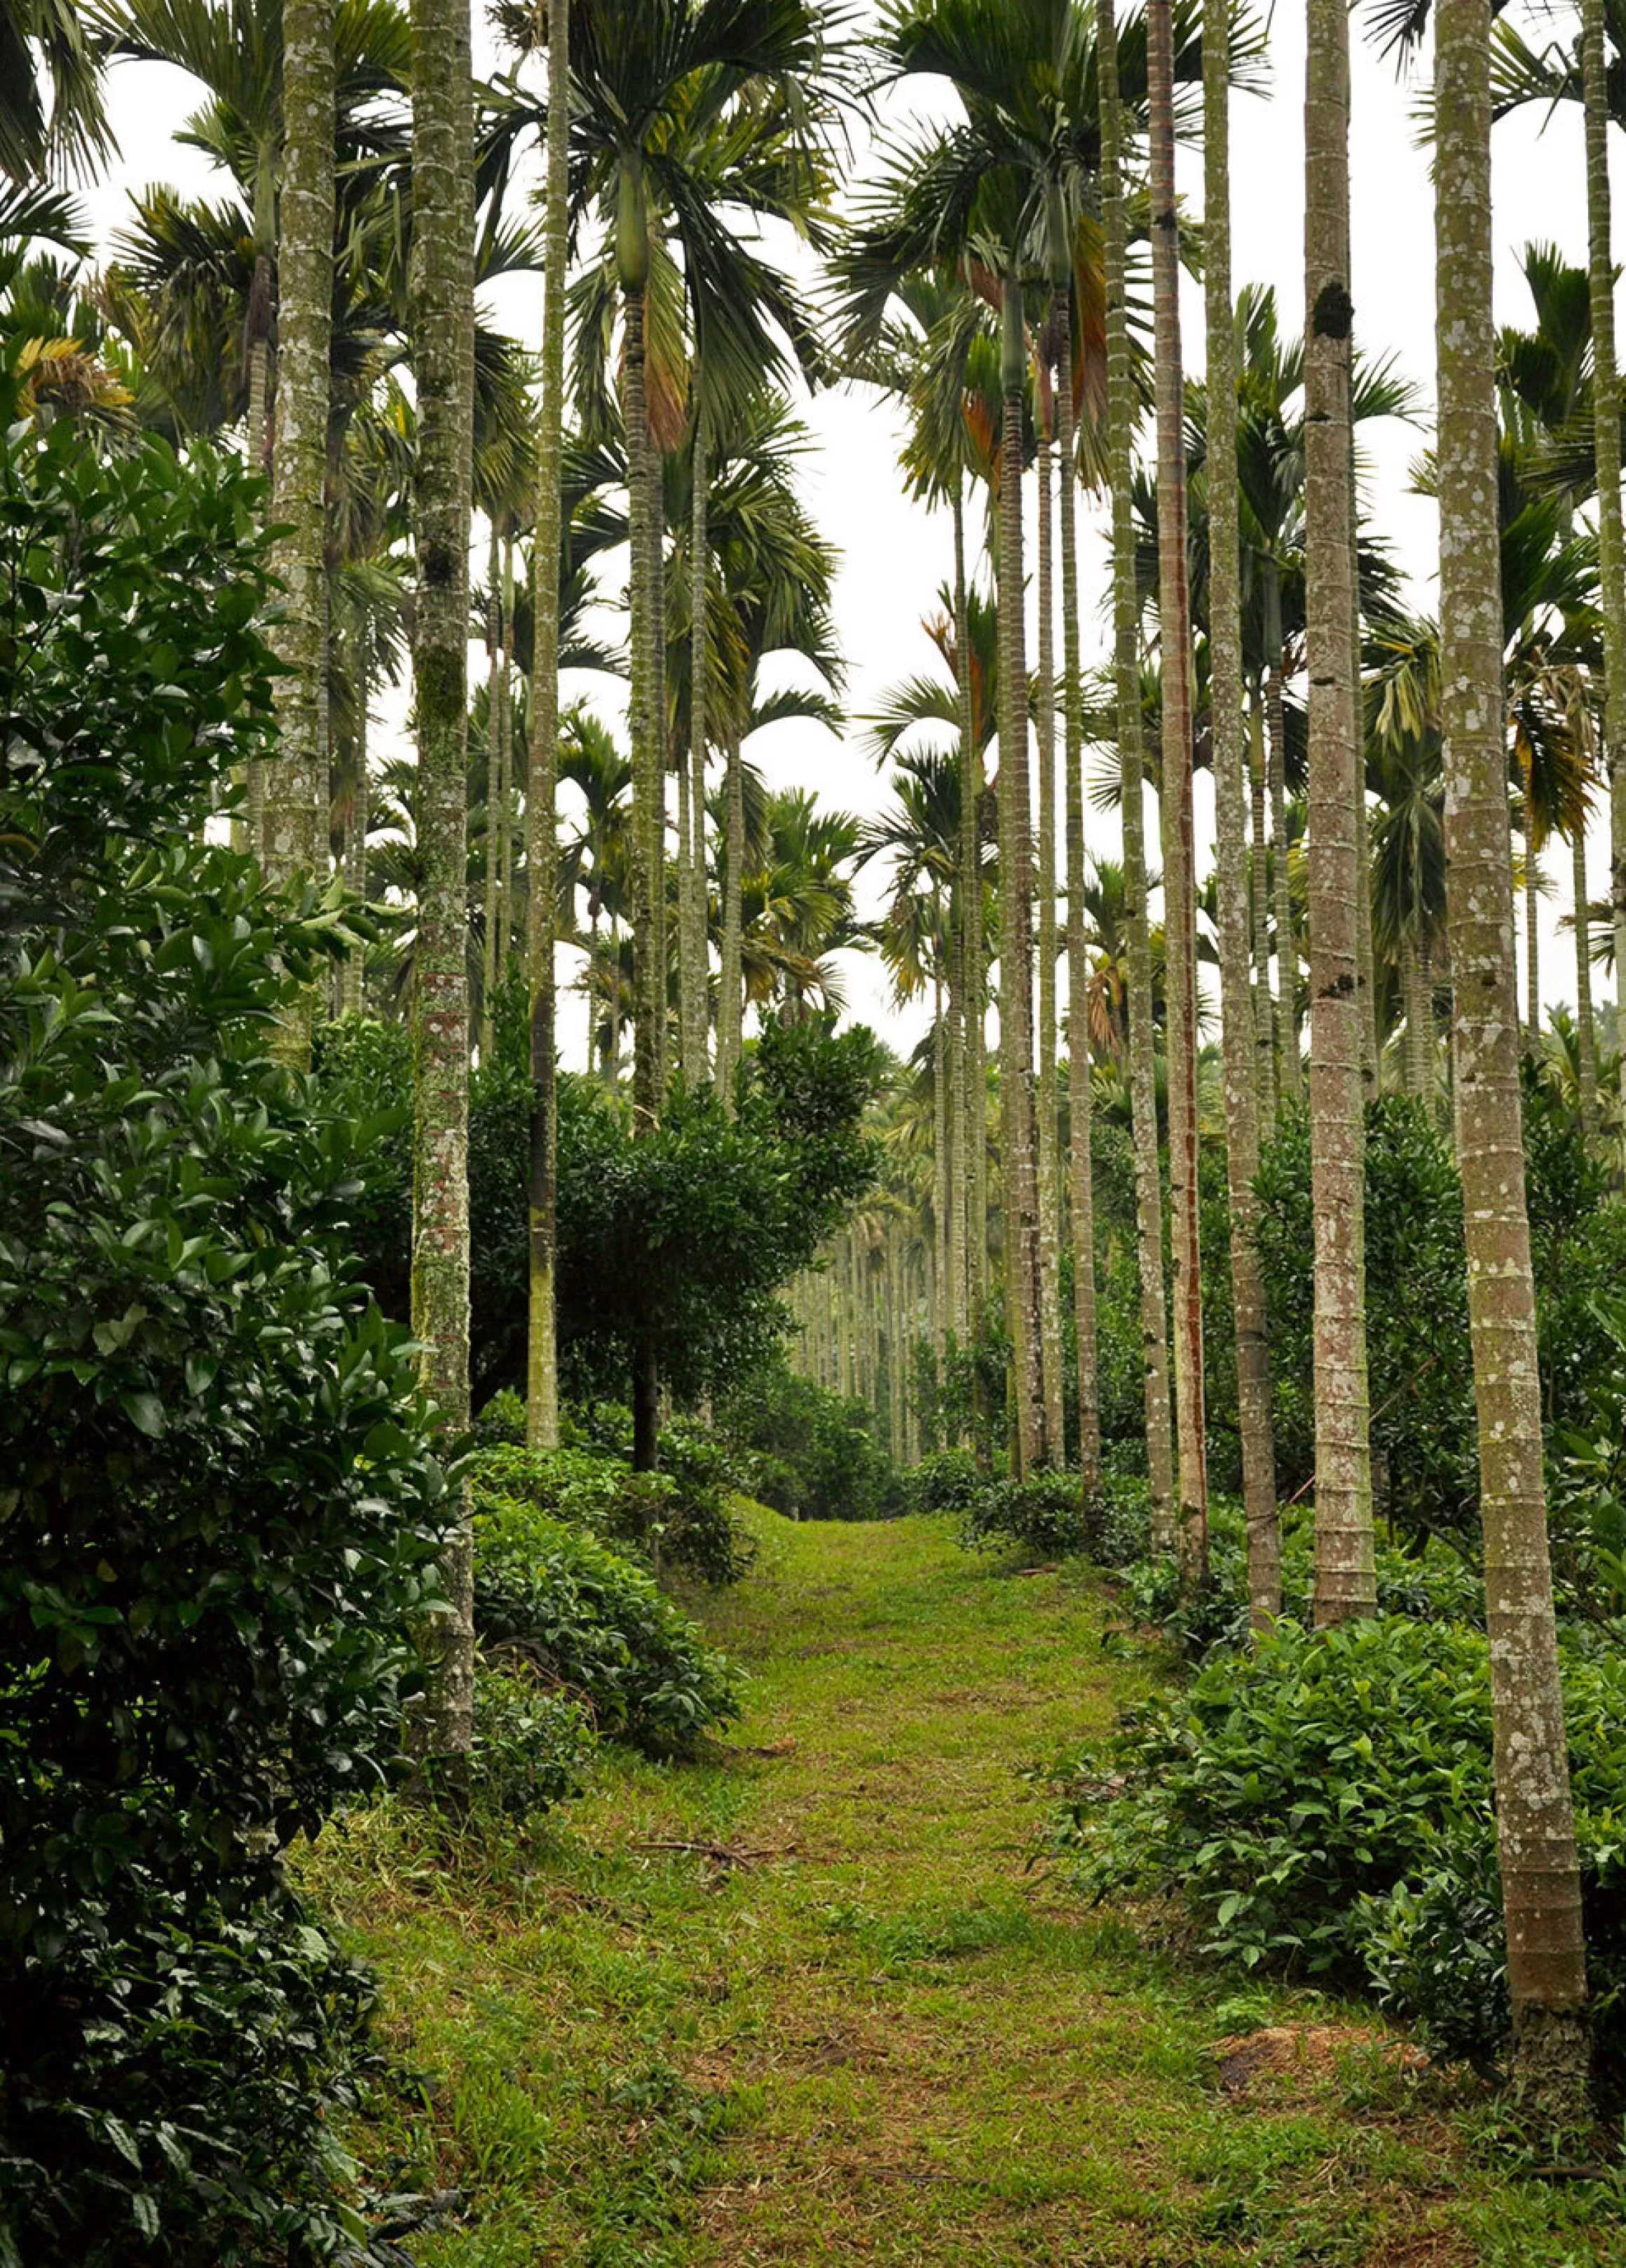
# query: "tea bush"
{"points": [[1324, 1801], [596, 1627], [1045, 1514]]}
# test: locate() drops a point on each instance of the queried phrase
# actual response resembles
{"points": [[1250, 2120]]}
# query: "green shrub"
{"points": [[596, 1627], [532, 1748], [222, 1506], [1324, 1801], [666, 1520], [1431, 1582], [829, 1443], [1045, 1514], [501, 1423], [947, 1480]]}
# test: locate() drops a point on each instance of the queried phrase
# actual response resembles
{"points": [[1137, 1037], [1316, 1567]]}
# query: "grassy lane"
{"points": [[851, 2024]]}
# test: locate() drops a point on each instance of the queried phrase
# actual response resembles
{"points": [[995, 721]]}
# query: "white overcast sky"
{"points": [[894, 554]]}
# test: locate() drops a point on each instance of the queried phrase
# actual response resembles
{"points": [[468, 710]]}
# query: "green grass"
{"points": [[887, 2037]]}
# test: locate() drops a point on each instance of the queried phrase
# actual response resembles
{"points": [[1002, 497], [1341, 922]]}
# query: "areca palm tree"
{"points": [[651, 79], [1534, 1829], [441, 295], [1345, 1581], [1179, 837], [1142, 1087], [542, 767], [1224, 607]]}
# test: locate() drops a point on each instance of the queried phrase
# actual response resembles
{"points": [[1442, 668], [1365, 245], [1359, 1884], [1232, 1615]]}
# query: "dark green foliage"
{"points": [[681, 1239], [221, 1511], [532, 1746], [595, 1627], [1045, 1514], [1324, 1801], [678, 1519], [1422, 1388], [1429, 1582], [825, 1462], [947, 1480]]}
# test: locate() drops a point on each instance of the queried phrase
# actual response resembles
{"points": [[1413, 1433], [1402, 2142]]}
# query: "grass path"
{"points": [[884, 2038]]}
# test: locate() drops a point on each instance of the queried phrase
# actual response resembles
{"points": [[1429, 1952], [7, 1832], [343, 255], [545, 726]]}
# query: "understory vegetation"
{"points": [[642, 1626]]}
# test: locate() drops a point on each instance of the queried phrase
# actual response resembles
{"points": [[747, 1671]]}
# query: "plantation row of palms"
{"points": [[990, 274]]}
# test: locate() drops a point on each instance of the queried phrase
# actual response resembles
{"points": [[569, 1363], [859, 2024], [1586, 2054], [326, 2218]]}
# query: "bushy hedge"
{"points": [[822, 1460], [222, 1507], [595, 1627], [1045, 1514], [1325, 1802], [678, 1519]]}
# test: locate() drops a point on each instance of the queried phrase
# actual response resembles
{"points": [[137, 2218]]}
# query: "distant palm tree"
{"points": [[50, 88]]}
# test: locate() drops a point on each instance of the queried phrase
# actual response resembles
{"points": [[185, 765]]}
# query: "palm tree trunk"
{"points": [[1533, 950], [1242, 1067], [295, 786], [975, 1153], [1126, 612], [692, 871], [1290, 1063], [442, 302], [1016, 913], [353, 995], [505, 772], [541, 847], [1081, 1194], [648, 770], [1607, 448], [1540, 1891], [939, 1155], [1416, 1026], [1586, 1027], [730, 1005], [1264, 1011], [1345, 1583], [493, 792], [252, 837], [656, 595], [1179, 847], [1049, 1221]]}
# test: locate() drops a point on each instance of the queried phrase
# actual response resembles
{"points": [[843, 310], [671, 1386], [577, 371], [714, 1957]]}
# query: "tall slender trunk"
{"points": [[1541, 1891], [1179, 835], [251, 834], [1081, 1191], [939, 1155], [295, 808], [1126, 615], [505, 811], [1607, 447], [1533, 950], [541, 847], [1290, 1063], [1264, 1012], [649, 990], [442, 303], [1016, 915], [1242, 1068], [659, 726], [494, 790], [1345, 1583], [954, 1248], [730, 1010], [1050, 1223], [1586, 1025], [353, 994], [1411, 996], [975, 1153], [692, 972]]}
